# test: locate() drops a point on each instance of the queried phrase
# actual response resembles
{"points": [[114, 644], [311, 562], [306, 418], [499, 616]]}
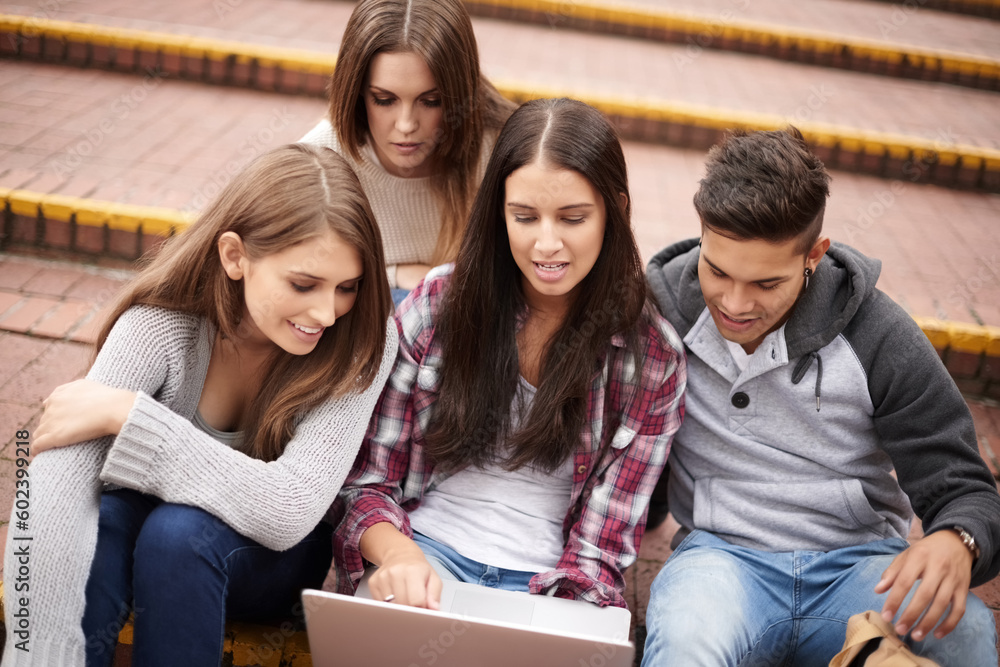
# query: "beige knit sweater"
{"points": [[163, 355], [406, 209]]}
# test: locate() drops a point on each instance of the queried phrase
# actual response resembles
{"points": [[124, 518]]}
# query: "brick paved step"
{"points": [[900, 41], [173, 144], [655, 92], [905, 23], [903, 40], [861, 18], [982, 8]]}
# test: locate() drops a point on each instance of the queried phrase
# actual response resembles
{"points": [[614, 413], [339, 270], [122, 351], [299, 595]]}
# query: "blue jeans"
{"points": [[185, 572], [715, 603], [453, 566], [398, 294]]}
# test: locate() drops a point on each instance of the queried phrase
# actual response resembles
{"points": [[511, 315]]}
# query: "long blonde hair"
{"points": [[440, 32], [284, 197]]}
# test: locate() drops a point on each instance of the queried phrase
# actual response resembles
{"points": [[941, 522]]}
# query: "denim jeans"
{"points": [[715, 603], [398, 294], [185, 572], [453, 566]]}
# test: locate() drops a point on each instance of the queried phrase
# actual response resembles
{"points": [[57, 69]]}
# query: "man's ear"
{"points": [[817, 251], [233, 255]]}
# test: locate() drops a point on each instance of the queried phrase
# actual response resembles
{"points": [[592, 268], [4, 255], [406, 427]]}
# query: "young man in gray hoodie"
{"points": [[819, 420]]}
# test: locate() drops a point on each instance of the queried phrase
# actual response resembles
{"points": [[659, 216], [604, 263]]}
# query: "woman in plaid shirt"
{"points": [[536, 391]]}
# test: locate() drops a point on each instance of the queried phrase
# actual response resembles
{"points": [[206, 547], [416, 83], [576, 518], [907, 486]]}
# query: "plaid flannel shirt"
{"points": [[631, 423]]}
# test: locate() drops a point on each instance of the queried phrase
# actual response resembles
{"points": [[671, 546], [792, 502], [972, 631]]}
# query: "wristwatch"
{"points": [[969, 541]]}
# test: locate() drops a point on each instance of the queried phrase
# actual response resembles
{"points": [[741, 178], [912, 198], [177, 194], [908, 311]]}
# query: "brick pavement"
{"points": [[172, 143], [577, 61], [182, 140]]}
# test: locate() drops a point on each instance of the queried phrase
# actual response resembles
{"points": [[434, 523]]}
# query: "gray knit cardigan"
{"points": [[163, 355]]}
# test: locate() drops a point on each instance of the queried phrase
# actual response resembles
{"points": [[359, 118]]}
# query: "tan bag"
{"points": [[868, 630]]}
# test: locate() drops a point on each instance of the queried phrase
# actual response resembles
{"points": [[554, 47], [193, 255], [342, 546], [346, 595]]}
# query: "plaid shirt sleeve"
{"points": [[374, 489], [604, 539]]}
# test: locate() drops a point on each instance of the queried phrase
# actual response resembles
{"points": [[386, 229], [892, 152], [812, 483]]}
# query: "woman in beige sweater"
{"points": [[413, 114]]}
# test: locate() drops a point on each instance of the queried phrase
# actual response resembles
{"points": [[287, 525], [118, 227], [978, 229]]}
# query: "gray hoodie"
{"points": [[797, 451]]}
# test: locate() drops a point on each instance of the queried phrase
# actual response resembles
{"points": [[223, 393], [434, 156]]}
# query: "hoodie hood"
{"points": [[843, 280]]}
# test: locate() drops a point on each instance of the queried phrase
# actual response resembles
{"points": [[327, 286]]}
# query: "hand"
{"points": [[403, 570], [410, 579], [409, 275], [80, 411], [943, 565]]}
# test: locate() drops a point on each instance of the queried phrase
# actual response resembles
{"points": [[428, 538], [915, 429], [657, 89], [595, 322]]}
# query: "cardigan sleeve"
{"points": [[275, 503], [47, 563]]}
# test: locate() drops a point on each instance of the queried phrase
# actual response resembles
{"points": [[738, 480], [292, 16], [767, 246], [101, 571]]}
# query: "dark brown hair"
{"points": [[440, 32], [485, 302], [764, 185], [284, 197]]}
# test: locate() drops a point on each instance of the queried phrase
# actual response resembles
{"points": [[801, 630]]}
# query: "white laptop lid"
{"points": [[358, 632]]}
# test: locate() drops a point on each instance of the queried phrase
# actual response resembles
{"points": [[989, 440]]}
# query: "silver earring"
{"points": [[808, 272]]}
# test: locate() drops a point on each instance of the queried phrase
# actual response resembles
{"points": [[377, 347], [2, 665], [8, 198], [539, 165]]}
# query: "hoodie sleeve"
{"points": [[927, 430]]}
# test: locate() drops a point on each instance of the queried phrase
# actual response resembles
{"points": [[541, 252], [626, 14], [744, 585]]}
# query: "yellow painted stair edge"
{"points": [[959, 336], [187, 45], [727, 25], [96, 213], [823, 134]]}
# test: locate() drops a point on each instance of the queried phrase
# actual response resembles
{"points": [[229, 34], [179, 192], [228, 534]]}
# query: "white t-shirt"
{"points": [[507, 519], [739, 355]]}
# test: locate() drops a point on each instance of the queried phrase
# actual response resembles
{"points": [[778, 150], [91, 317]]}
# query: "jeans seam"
{"points": [[760, 637], [222, 629], [796, 608]]}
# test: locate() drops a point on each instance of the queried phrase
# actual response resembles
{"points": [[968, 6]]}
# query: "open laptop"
{"points": [[476, 627]]}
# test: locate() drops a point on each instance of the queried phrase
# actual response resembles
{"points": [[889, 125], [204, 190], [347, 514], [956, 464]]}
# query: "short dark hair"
{"points": [[764, 185]]}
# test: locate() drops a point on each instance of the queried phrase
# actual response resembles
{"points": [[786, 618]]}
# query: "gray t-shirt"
{"points": [[233, 439], [508, 519]]}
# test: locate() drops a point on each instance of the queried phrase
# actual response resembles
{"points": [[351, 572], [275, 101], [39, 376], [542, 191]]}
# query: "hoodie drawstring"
{"points": [[803, 366]]}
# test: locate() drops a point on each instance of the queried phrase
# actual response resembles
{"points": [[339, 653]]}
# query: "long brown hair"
{"points": [[484, 303], [440, 32], [284, 197]]}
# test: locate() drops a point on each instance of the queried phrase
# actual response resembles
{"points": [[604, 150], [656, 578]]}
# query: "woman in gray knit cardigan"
{"points": [[187, 478]]}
